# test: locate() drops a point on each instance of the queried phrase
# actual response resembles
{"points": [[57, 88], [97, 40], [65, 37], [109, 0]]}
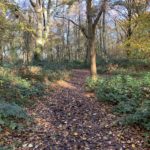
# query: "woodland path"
{"points": [[71, 119]]}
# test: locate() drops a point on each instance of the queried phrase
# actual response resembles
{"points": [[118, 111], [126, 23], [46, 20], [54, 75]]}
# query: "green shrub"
{"points": [[18, 86], [63, 65], [119, 88], [5, 147], [91, 84], [39, 74], [102, 69], [10, 114], [141, 116], [19, 93], [130, 96], [126, 63], [133, 67], [57, 75]]}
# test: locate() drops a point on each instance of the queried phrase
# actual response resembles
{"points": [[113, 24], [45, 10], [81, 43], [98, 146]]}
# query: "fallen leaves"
{"points": [[69, 119], [75, 134]]}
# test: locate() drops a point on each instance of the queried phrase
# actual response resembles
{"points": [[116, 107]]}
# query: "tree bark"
{"points": [[93, 66], [42, 30], [68, 41], [1, 55], [91, 40], [129, 30], [104, 33]]}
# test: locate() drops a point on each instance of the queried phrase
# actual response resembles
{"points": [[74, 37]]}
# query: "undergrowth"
{"points": [[12, 116], [133, 67], [129, 95], [19, 84]]}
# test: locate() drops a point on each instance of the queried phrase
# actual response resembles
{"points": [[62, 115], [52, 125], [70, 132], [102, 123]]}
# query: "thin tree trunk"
{"points": [[104, 34], [78, 32], [68, 42], [1, 55], [129, 32], [100, 35]]}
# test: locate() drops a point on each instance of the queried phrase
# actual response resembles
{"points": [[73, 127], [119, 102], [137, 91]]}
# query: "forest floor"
{"points": [[69, 118]]}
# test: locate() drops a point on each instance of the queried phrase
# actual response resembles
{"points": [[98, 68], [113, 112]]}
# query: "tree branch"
{"points": [[83, 30], [49, 5], [102, 9], [48, 8], [32, 3]]}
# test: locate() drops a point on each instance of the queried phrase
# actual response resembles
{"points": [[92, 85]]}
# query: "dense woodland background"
{"points": [[41, 41], [59, 30]]}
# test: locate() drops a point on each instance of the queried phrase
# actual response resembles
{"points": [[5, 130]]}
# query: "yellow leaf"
{"points": [[133, 146], [75, 133]]}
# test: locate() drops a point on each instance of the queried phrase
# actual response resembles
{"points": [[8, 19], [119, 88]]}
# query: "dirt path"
{"points": [[70, 119]]}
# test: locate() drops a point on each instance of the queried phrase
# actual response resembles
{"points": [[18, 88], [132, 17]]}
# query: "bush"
{"points": [[91, 84], [130, 97], [63, 65], [10, 114], [119, 88], [39, 74], [15, 93], [102, 69], [133, 67], [57, 75], [19, 84], [18, 92], [126, 63]]}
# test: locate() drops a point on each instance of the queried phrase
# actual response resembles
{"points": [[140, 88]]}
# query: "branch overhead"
{"points": [[81, 28], [101, 10]]}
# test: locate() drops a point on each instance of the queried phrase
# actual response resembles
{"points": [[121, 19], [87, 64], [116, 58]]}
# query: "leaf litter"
{"points": [[72, 119]]}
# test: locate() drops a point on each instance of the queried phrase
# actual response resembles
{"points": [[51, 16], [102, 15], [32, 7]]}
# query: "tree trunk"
{"points": [[91, 40], [42, 31], [39, 37], [78, 32], [104, 34], [1, 55], [68, 41], [100, 38], [87, 57], [92, 50], [129, 29]]}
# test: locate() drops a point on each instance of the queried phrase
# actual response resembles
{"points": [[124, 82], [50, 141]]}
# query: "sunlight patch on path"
{"points": [[64, 84]]}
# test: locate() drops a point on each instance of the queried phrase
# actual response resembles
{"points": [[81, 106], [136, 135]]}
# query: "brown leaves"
{"points": [[69, 118]]}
